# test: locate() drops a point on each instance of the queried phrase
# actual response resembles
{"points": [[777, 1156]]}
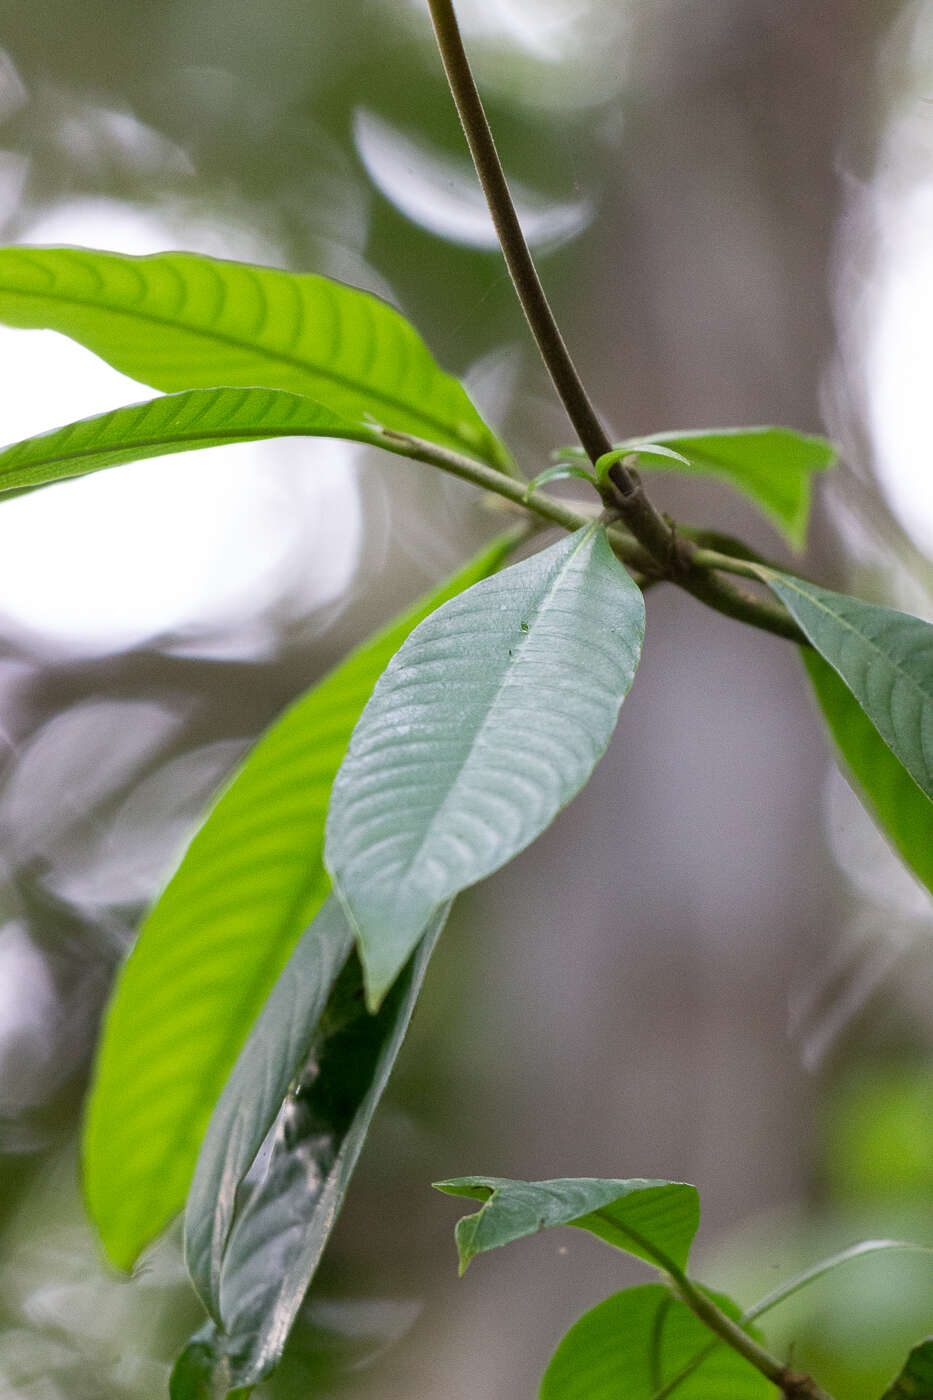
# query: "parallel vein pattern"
{"points": [[211, 949], [884, 657], [490, 719], [180, 321]]}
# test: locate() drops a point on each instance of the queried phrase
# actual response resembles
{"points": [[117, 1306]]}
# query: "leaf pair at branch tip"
{"points": [[489, 719]]}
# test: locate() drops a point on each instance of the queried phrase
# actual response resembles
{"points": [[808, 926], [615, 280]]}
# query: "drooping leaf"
{"points": [[654, 1220], [772, 466], [884, 657], [904, 813], [211, 948], [634, 1344], [490, 718], [278, 1045], [180, 321], [175, 423], [915, 1381], [283, 1222]]}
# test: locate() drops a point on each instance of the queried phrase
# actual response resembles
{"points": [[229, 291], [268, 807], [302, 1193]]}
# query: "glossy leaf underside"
{"points": [[903, 812], [490, 718], [774, 467], [180, 321], [174, 423], [210, 950], [653, 1220], [283, 1221], [635, 1343], [884, 657]]}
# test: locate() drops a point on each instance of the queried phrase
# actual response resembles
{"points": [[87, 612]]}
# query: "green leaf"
{"points": [[560, 472], [181, 321], [884, 657], [654, 1220], [279, 1043], [283, 1223], [826, 1266], [211, 949], [772, 466], [633, 1345], [901, 809], [490, 718], [915, 1381], [175, 423]]}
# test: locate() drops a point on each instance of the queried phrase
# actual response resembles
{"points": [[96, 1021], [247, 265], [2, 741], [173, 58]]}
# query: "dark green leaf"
{"points": [[915, 1381], [904, 813], [884, 657], [637, 1342], [654, 1220], [180, 321], [282, 1224], [773, 466], [490, 718], [211, 949], [175, 423]]}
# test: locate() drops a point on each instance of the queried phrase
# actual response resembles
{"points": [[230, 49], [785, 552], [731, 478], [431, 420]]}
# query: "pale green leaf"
{"points": [[278, 1045], [774, 467], [633, 1345], [489, 719], [211, 949], [884, 657], [915, 1381], [654, 1220], [175, 423], [283, 1222], [181, 321], [901, 809]]}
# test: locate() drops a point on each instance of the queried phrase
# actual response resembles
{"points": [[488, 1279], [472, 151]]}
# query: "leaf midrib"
{"points": [[506, 682], [279, 356]]}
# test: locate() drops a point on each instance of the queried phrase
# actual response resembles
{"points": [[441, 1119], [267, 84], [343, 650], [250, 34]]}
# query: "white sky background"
{"points": [[201, 542]]}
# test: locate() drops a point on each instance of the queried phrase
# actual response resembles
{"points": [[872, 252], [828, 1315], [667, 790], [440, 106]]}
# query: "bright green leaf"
{"points": [[904, 813], [654, 1220], [772, 466], [174, 423], [283, 1223], [180, 321], [884, 657], [560, 472], [490, 718], [211, 949], [915, 1382], [635, 1343]]}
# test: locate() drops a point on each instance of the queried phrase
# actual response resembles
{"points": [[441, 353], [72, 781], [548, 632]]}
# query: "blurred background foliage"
{"points": [[711, 968]]}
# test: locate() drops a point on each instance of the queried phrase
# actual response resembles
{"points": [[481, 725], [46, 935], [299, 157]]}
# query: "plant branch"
{"points": [[792, 1384], [767, 616], [623, 492]]}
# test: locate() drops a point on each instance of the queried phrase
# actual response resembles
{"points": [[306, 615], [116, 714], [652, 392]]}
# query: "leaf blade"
{"points": [[772, 466], [250, 882], [487, 722], [184, 422], [898, 805], [653, 1220], [915, 1380], [635, 1343], [178, 321], [884, 657], [279, 1235]]}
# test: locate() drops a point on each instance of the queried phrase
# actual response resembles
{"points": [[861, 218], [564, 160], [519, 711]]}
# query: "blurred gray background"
{"points": [[710, 968]]}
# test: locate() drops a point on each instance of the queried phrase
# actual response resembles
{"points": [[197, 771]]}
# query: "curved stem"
{"points": [[762, 613]]}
